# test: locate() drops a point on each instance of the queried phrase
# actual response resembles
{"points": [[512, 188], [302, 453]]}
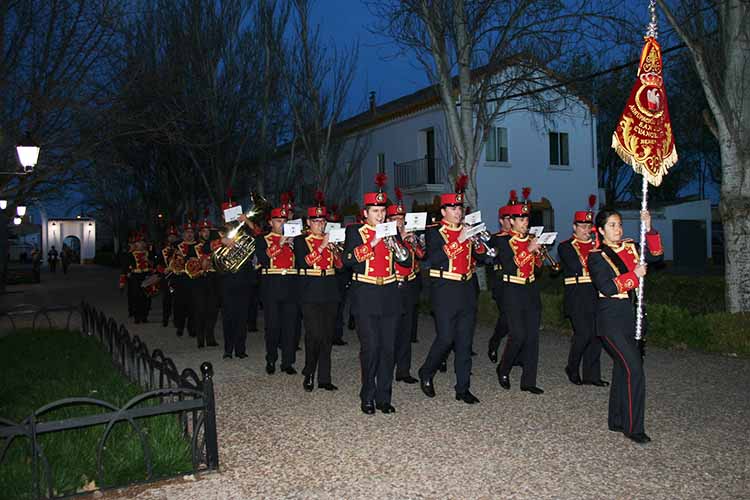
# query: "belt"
{"points": [[619, 296], [497, 267], [372, 280], [137, 271], [576, 280], [316, 272], [407, 278], [439, 273], [508, 278], [291, 272]]}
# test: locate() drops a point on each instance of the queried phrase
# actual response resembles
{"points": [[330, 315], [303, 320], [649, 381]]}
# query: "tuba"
{"points": [[231, 258]]}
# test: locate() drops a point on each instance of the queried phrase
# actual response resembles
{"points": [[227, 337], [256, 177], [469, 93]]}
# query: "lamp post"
{"points": [[28, 153]]}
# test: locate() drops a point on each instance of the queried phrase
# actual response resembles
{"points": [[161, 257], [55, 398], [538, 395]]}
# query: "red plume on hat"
{"points": [[334, 207], [380, 180], [229, 194], [461, 182], [513, 197], [284, 198], [320, 197], [526, 192], [592, 201], [399, 195]]}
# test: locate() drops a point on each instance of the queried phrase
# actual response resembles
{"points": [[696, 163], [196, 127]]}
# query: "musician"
{"points": [[316, 262], [343, 278], [287, 202], [375, 299], [203, 285], [409, 286], [616, 273], [496, 281], [453, 289], [278, 290], [252, 312], [520, 256], [236, 291], [163, 267], [183, 310], [580, 300], [137, 267]]}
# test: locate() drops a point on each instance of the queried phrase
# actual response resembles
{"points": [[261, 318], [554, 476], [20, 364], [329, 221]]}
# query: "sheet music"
{"points": [[536, 230], [291, 230], [473, 218], [547, 238], [330, 226], [386, 229], [337, 235], [416, 221], [232, 214]]}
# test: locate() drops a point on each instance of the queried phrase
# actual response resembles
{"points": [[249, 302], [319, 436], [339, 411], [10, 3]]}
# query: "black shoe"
{"points": [[191, 334], [532, 389], [165, 324], [427, 387], [504, 381], [492, 354], [339, 342], [328, 387], [351, 324], [368, 408], [252, 329], [407, 379], [137, 321], [385, 408], [241, 356], [298, 348], [473, 353], [270, 368], [226, 356], [414, 341], [616, 428], [308, 384], [444, 366], [213, 343], [289, 370], [640, 438], [573, 376], [598, 383], [467, 398], [200, 346], [179, 333]]}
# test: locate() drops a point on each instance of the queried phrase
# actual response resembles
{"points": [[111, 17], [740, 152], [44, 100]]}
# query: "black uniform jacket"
{"points": [[369, 298], [274, 287], [315, 285]]}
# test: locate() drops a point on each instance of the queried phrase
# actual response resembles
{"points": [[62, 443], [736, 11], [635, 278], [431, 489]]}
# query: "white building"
{"points": [[407, 139], [78, 233]]}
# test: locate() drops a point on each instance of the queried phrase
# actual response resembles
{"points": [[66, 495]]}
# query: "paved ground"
{"points": [[277, 441]]}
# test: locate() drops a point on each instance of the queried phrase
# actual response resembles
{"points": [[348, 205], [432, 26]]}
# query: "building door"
{"points": [[430, 156], [689, 244], [72, 245]]}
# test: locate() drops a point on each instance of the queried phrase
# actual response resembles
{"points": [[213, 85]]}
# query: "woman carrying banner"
{"points": [[615, 272]]}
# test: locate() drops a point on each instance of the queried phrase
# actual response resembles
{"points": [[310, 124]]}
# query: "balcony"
{"points": [[424, 174]]}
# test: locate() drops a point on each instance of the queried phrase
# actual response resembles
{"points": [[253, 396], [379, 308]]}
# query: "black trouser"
{"points": [[405, 328], [166, 301], [377, 334], [139, 300], [183, 310], [501, 325], [454, 309], [205, 308], [298, 328], [252, 311], [523, 306], [280, 318], [53, 266], [319, 329], [234, 319], [615, 324], [584, 345]]}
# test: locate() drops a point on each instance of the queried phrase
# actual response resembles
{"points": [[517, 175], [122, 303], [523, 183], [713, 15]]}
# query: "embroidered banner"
{"points": [[643, 138]]}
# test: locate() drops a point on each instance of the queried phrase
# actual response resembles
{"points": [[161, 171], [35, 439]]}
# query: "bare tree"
{"points": [[717, 35], [495, 49], [319, 79]]}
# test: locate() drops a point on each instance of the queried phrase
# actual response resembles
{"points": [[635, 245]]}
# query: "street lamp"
{"points": [[17, 221], [28, 152], [3, 204], [21, 210]]}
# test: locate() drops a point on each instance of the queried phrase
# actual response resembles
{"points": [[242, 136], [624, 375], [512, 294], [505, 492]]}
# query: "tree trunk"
{"points": [[735, 214]]}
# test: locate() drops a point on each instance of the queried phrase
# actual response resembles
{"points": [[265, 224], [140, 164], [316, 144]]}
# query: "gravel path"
{"points": [[277, 441]]}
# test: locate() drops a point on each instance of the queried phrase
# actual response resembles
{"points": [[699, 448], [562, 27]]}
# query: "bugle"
{"points": [[544, 253]]}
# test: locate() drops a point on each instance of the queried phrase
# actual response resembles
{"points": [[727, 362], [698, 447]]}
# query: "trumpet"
{"points": [[544, 253], [400, 253], [483, 238]]}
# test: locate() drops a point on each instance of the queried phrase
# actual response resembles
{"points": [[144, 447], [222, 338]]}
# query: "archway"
{"points": [[72, 244]]}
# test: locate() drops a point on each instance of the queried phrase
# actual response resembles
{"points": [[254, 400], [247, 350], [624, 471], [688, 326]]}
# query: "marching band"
{"points": [[305, 276]]}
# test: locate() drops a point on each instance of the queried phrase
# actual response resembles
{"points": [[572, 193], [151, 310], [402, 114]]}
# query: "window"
{"points": [[381, 163], [558, 148], [497, 144]]}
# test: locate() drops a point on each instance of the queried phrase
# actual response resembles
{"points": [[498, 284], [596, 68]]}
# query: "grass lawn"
{"points": [[42, 367]]}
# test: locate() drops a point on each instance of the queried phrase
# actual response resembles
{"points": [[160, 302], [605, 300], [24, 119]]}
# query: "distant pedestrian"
{"points": [[52, 256], [66, 258], [36, 264]]}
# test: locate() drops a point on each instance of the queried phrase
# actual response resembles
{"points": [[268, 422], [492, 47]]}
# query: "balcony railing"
{"points": [[416, 173]]}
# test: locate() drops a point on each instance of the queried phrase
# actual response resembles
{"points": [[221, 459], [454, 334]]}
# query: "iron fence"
{"points": [[168, 391], [417, 173]]}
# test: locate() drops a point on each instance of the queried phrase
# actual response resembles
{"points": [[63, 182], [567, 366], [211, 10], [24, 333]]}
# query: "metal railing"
{"points": [[168, 391], [416, 173]]}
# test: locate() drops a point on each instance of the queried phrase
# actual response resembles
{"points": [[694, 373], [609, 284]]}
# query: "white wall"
{"points": [[84, 230], [662, 221]]}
